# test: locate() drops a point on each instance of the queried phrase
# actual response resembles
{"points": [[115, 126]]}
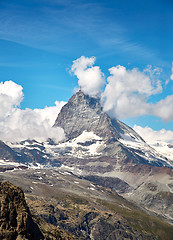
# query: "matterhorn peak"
{"points": [[85, 113]]}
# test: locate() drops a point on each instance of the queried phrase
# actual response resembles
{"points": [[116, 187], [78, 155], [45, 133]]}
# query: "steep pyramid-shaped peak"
{"points": [[84, 113], [81, 98]]}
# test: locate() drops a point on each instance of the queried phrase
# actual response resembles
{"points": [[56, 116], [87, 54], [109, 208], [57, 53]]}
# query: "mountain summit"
{"points": [[84, 113]]}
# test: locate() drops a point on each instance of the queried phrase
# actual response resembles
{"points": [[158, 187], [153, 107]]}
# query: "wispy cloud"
{"points": [[54, 24]]}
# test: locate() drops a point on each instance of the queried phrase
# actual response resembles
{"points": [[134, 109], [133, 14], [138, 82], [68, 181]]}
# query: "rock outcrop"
{"points": [[17, 222], [7, 153], [15, 218]]}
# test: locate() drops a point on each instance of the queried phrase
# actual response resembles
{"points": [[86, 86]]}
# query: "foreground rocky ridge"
{"points": [[17, 222], [15, 218]]}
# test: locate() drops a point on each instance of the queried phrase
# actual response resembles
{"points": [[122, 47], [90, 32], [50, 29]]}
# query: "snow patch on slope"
{"points": [[86, 136], [164, 149], [130, 137], [151, 153], [86, 145]]}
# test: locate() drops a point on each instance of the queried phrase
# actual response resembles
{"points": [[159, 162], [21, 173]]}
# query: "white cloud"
{"points": [[152, 71], [127, 92], [17, 124], [11, 96], [50, 113], [164, 108], [90, 79], [153, 136]]}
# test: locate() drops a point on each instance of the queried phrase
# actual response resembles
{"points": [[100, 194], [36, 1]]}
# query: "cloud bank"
{"points": [[17, 124], [11, 96], [152, 136], [127, 93]]}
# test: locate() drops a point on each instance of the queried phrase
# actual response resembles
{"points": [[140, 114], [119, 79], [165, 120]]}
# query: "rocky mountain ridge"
{"points": [[90, 133], [84, 113]]}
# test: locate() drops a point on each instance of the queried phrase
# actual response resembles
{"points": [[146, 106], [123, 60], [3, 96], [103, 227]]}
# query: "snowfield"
{"points": [[150, 151], [91, 145]]}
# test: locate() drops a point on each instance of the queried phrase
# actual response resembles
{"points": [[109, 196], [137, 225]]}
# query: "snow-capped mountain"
{"points": [[90, 132], [164, 148], [84, 113], [103, 150]]}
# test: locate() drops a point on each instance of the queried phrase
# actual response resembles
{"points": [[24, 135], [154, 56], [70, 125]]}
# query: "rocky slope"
{"points": [[75, 208]]}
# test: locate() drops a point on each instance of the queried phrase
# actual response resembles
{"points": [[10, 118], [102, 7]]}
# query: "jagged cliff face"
{"points": [[15, 218], [84, 113]]}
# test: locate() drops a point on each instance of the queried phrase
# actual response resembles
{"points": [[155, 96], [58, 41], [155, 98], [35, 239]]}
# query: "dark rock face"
{"points": [[101, 227], [27, 152], [85, 113], [7, 153], [22, 155], [33, 154], [15, 218], [17, 222], [115, 184]]}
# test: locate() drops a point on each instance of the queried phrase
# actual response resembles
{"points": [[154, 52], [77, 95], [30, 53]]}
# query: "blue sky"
{"points": [[39, 40]]}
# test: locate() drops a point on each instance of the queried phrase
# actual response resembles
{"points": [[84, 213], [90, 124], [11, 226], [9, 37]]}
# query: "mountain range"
{"points": [[97, 149]]}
